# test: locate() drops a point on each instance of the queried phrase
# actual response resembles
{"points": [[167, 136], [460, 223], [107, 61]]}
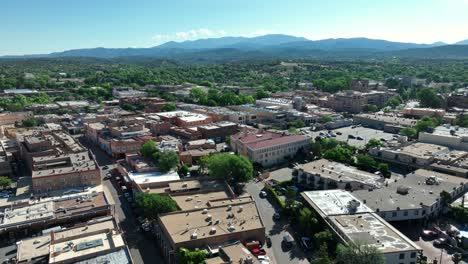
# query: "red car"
{"points": [[258, 251]]}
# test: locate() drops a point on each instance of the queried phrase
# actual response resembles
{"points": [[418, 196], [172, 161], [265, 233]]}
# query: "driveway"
{"points": [[275, 229]]}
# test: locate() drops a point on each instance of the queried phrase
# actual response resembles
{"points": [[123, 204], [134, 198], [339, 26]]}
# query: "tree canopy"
{"points": [[428, 97], [168, 160], [233, 168], [5, 182], [196, 256], [148, 149], [356, 253], [153, 204]]}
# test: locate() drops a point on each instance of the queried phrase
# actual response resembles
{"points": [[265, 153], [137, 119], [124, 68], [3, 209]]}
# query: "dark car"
{"points": [[105, 167], [268, 241], [430, 233]]}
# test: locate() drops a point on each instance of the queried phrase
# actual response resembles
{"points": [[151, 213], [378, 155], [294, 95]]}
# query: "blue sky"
{"points": [[42, 26]]}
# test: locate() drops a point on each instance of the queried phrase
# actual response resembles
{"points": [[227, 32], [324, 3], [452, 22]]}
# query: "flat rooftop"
{"points": [[389, 119], [26, 214], [85, 246], [445, 130], [32, 248], [370, 229], [334, 202], [152, 177], [225, 220], [423, 150], [198, 200], [419, 192], [341, 172]]}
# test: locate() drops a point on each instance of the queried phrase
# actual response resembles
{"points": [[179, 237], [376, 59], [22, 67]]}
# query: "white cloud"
{"points": [[189, 35]]}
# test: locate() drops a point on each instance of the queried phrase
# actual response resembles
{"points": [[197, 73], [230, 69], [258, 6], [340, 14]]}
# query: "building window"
{"points": [[394, 214], [405, 213], [413, 254], [402, 255], [416, 212]]}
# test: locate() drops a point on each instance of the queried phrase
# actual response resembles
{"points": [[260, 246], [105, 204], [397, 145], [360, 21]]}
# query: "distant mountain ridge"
{"points": [[273, 45]]}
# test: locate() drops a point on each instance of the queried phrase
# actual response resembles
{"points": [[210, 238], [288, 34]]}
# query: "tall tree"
{"points": [[152, 204], [357, 253], [231, 167]]}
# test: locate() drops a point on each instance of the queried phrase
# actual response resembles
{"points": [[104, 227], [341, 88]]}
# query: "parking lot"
{"points": [[356, 136]]}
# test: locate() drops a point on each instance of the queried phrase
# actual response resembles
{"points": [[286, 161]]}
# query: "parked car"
{"points": [[258, 251], [430, 233], [276, 216], [440, 242], [306, 242], [268, 241], [288, 240], [351, 137], [263, 194], [263, 259], [339, 133], [359, 138], [105, 167]]}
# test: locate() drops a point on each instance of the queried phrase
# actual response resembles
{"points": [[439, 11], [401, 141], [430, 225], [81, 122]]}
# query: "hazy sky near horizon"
{"points": [[43, 26]]}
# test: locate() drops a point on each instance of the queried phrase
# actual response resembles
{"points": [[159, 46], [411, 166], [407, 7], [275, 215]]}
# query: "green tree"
{"points": [[5, 182], [370, 108], [196, 256], [425, 123], [316, 148], [231, 167], [384, 169], [168, 107], [394, 101], [322, 256], [446, 198], [148, 149], [30, 122], [462, 121], [323, 237], [374, 143], [261, 93], [152, 204], [409, 132], [428, 97], [356, 253], [168, 160], [290, 197], [338, 154], [307, 221], [365, 162], [325, 119]]}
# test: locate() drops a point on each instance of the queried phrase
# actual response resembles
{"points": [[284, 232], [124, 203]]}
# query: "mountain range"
{"points": [[273, 46]]}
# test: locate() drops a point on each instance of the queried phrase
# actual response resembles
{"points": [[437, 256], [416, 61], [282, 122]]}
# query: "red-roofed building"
{"points": [[267, 148]]}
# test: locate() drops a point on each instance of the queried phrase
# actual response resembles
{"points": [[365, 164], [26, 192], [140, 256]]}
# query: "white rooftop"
{"points": [[335, 202], [150, 177]]}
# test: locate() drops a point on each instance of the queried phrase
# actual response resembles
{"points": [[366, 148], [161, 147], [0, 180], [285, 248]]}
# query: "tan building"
{"points": [[185, 119], [354, 102], [28, 216], [201, 228], [96, 241], [57, 161]]}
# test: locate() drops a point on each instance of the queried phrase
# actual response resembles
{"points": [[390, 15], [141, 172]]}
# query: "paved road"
{"points": [[274, 229], [142, 248]]}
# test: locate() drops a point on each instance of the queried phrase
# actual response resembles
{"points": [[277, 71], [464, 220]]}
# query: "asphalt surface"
{"points": [[142, 247], [275, 229]]}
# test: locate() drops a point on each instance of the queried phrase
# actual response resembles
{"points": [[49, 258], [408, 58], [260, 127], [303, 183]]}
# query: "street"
{"points": [[274, 228], [142, 249]]}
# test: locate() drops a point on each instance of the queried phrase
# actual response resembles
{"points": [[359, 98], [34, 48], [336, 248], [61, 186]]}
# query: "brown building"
{"points": [[354, 102], [218, 131], [10, 118], [57, 161]]}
